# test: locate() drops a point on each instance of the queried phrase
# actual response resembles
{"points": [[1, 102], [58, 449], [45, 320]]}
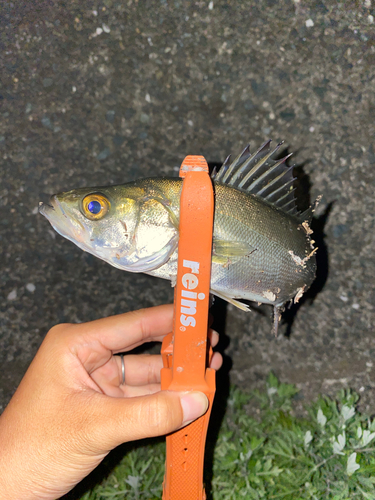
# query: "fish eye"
{"points": [[95, 206]]}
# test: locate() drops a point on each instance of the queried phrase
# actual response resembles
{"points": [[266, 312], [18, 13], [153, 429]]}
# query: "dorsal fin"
{"points": [[259, 175]]}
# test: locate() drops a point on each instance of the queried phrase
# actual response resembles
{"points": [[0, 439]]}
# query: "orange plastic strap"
{"points": [[185, 353]]}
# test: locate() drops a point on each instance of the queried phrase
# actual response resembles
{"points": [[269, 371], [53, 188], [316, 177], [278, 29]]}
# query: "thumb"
{"points": [[156, 414]]}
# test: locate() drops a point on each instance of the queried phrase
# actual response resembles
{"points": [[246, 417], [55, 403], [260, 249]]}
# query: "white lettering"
{"points": [[189, 295], [187, 320], [194, 266], [190, 281], [190, 306]]}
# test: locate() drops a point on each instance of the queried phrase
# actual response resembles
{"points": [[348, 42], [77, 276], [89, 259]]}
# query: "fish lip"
{"points": [[54, 205], [51, 209], [42, 206], [54, 212]]}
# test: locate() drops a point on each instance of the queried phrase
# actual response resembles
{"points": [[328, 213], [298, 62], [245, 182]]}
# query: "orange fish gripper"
{"points": [[185, 351]]}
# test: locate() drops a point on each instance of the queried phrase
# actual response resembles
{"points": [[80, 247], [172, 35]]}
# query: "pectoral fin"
{"points": [[224, 251]]}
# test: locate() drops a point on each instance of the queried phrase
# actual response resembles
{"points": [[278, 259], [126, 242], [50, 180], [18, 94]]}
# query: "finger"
{"points": [[140, 369], [124, 331], [137, 382], [216, 361], [115, 420], [130, 391], [144, 369], [213, 336]]}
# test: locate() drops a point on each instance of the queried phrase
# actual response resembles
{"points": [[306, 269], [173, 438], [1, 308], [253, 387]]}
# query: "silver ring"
{"points": [[122, 369]]}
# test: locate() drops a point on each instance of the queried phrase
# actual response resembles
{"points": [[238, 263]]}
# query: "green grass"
{"points": [[328, 455]]}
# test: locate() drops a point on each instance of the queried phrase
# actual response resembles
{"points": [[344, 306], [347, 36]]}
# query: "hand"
{"points": [[71, 408]]}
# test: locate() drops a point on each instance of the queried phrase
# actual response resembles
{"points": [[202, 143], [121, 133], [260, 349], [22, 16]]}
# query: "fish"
{"points": [[262, 247]]}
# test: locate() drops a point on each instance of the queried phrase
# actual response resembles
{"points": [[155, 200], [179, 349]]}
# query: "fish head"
{"points": [[118, 224], [99, 221]]}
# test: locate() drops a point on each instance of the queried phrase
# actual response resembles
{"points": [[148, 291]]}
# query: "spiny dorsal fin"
{"points": [[241, 158], [259, 175]]}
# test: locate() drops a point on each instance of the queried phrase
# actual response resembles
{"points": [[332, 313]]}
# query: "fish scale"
{"points": [[262, 250]]}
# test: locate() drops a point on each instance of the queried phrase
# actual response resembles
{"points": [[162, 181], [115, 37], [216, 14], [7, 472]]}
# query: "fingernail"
{"points": [[194, 404], [215, 338]]}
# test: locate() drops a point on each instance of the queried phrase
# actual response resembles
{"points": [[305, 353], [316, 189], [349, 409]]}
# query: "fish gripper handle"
{"points": [[186, 353]]}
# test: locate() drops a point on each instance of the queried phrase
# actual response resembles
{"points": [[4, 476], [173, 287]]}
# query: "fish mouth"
{"points": [[52, 208], [63, 223], [53, 212], [43, 208]]}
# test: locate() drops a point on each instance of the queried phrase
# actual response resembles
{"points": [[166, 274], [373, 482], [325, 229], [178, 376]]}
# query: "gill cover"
{"points": [[155, 237]]}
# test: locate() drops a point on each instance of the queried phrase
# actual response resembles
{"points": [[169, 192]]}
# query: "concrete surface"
{"points": [[95, 93]]}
